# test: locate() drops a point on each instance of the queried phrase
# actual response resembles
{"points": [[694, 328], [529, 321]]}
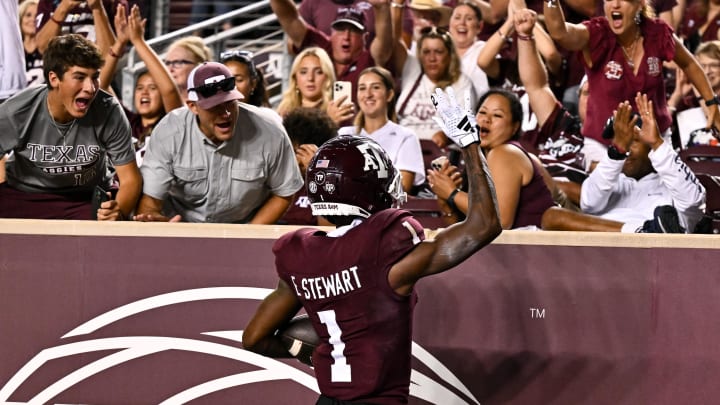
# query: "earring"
{"points": [[638, 18]]}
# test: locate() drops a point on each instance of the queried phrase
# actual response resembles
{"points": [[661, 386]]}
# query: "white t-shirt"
{"points": [[470, 68], [417, 113], [12, 53], [402, 146]]}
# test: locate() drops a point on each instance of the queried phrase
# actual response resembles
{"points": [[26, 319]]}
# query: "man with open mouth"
{"points": [[67, 140], [217, 160]]}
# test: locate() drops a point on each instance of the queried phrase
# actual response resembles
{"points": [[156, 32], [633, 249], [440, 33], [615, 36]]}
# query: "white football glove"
{"points": [[459, 124]]}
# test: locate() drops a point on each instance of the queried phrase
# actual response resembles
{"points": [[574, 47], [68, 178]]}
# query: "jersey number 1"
{"points": [[340, 369]]}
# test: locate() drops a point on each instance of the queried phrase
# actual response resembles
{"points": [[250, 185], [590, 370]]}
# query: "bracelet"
{"points": [[397, 5], [713, 101], [525, 37], [552, 3], [52, 18], [113, 54], [617, 153], [451, 200], [448, 214]]}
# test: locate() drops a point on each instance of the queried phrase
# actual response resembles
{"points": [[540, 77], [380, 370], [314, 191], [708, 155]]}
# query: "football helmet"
{"points": [[352, 175]]}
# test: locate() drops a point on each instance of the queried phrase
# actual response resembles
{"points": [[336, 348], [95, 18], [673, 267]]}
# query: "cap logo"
{"points": [[215, 79]]}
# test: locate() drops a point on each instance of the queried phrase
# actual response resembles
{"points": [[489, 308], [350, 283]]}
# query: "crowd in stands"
{"points": [[582, 108]]}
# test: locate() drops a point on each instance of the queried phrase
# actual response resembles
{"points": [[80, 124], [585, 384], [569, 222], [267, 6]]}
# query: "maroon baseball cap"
{"points": [[210, 84], [350, 15]]}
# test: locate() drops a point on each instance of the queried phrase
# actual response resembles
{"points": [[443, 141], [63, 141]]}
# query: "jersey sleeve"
{"points": [[400, 234]]}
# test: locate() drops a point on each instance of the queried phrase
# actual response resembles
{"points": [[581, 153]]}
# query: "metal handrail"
{"points": [[133, 66]]}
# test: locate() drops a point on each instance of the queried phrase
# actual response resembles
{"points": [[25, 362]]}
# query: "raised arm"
{"points": [[290, 20], [111, 58], [400, 48], [697, 77], [482, 224], [572, 37], [487, 58], [104, 36], [550, 55], [168, 89], [382, 47], [53, 27], [532, 71]]}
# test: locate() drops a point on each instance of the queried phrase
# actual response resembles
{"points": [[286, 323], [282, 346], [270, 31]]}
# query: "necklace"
{"points": [[630, 55], [63, 129]]}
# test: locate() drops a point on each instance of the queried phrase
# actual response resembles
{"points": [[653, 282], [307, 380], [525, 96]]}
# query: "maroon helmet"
{"points": [[352, 175]]}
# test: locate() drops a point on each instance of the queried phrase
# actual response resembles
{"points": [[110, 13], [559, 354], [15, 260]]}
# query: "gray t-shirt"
{"points": [[226, 183], [46, 161]]}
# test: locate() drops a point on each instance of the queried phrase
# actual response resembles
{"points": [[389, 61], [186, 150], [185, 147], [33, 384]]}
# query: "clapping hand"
{"points": [[456, 122]]}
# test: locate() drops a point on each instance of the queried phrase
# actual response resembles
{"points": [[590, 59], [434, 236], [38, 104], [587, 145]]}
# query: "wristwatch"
{"points": [[615, 154], [713, 101]]}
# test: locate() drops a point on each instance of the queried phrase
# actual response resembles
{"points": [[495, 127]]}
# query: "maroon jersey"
{"points": [[78, 21], [611, 80], [559, 145], [364, 326]]}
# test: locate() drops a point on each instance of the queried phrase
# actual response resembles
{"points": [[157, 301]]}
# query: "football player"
{"points": [[357, 282]]}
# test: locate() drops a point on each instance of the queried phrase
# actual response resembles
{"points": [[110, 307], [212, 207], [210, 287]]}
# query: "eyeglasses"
{"points": [[211, 89], [178, 63], [710, 66]]}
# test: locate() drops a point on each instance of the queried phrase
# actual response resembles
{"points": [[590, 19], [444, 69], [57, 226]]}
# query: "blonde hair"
{"points": [[648, 10], [292, 98], [452, 74], [22, 8], [711, 49], [195, 45]]}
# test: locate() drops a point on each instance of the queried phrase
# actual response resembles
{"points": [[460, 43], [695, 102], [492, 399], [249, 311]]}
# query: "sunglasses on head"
{"points": [[246, 56], [433, 30], [211, 89]]}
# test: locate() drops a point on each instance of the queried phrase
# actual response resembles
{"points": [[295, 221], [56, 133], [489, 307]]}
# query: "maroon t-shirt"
{"points": [[364, 326], [611, 80]]}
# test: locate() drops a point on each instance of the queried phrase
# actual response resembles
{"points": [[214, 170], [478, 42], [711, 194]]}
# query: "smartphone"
{"points": [[342, 88], [438, 162], [99, 196]]}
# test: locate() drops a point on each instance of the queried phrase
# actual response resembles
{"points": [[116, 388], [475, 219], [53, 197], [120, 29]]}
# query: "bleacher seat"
{"points": [[426, 211], [702, 159], [712, 198]]}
